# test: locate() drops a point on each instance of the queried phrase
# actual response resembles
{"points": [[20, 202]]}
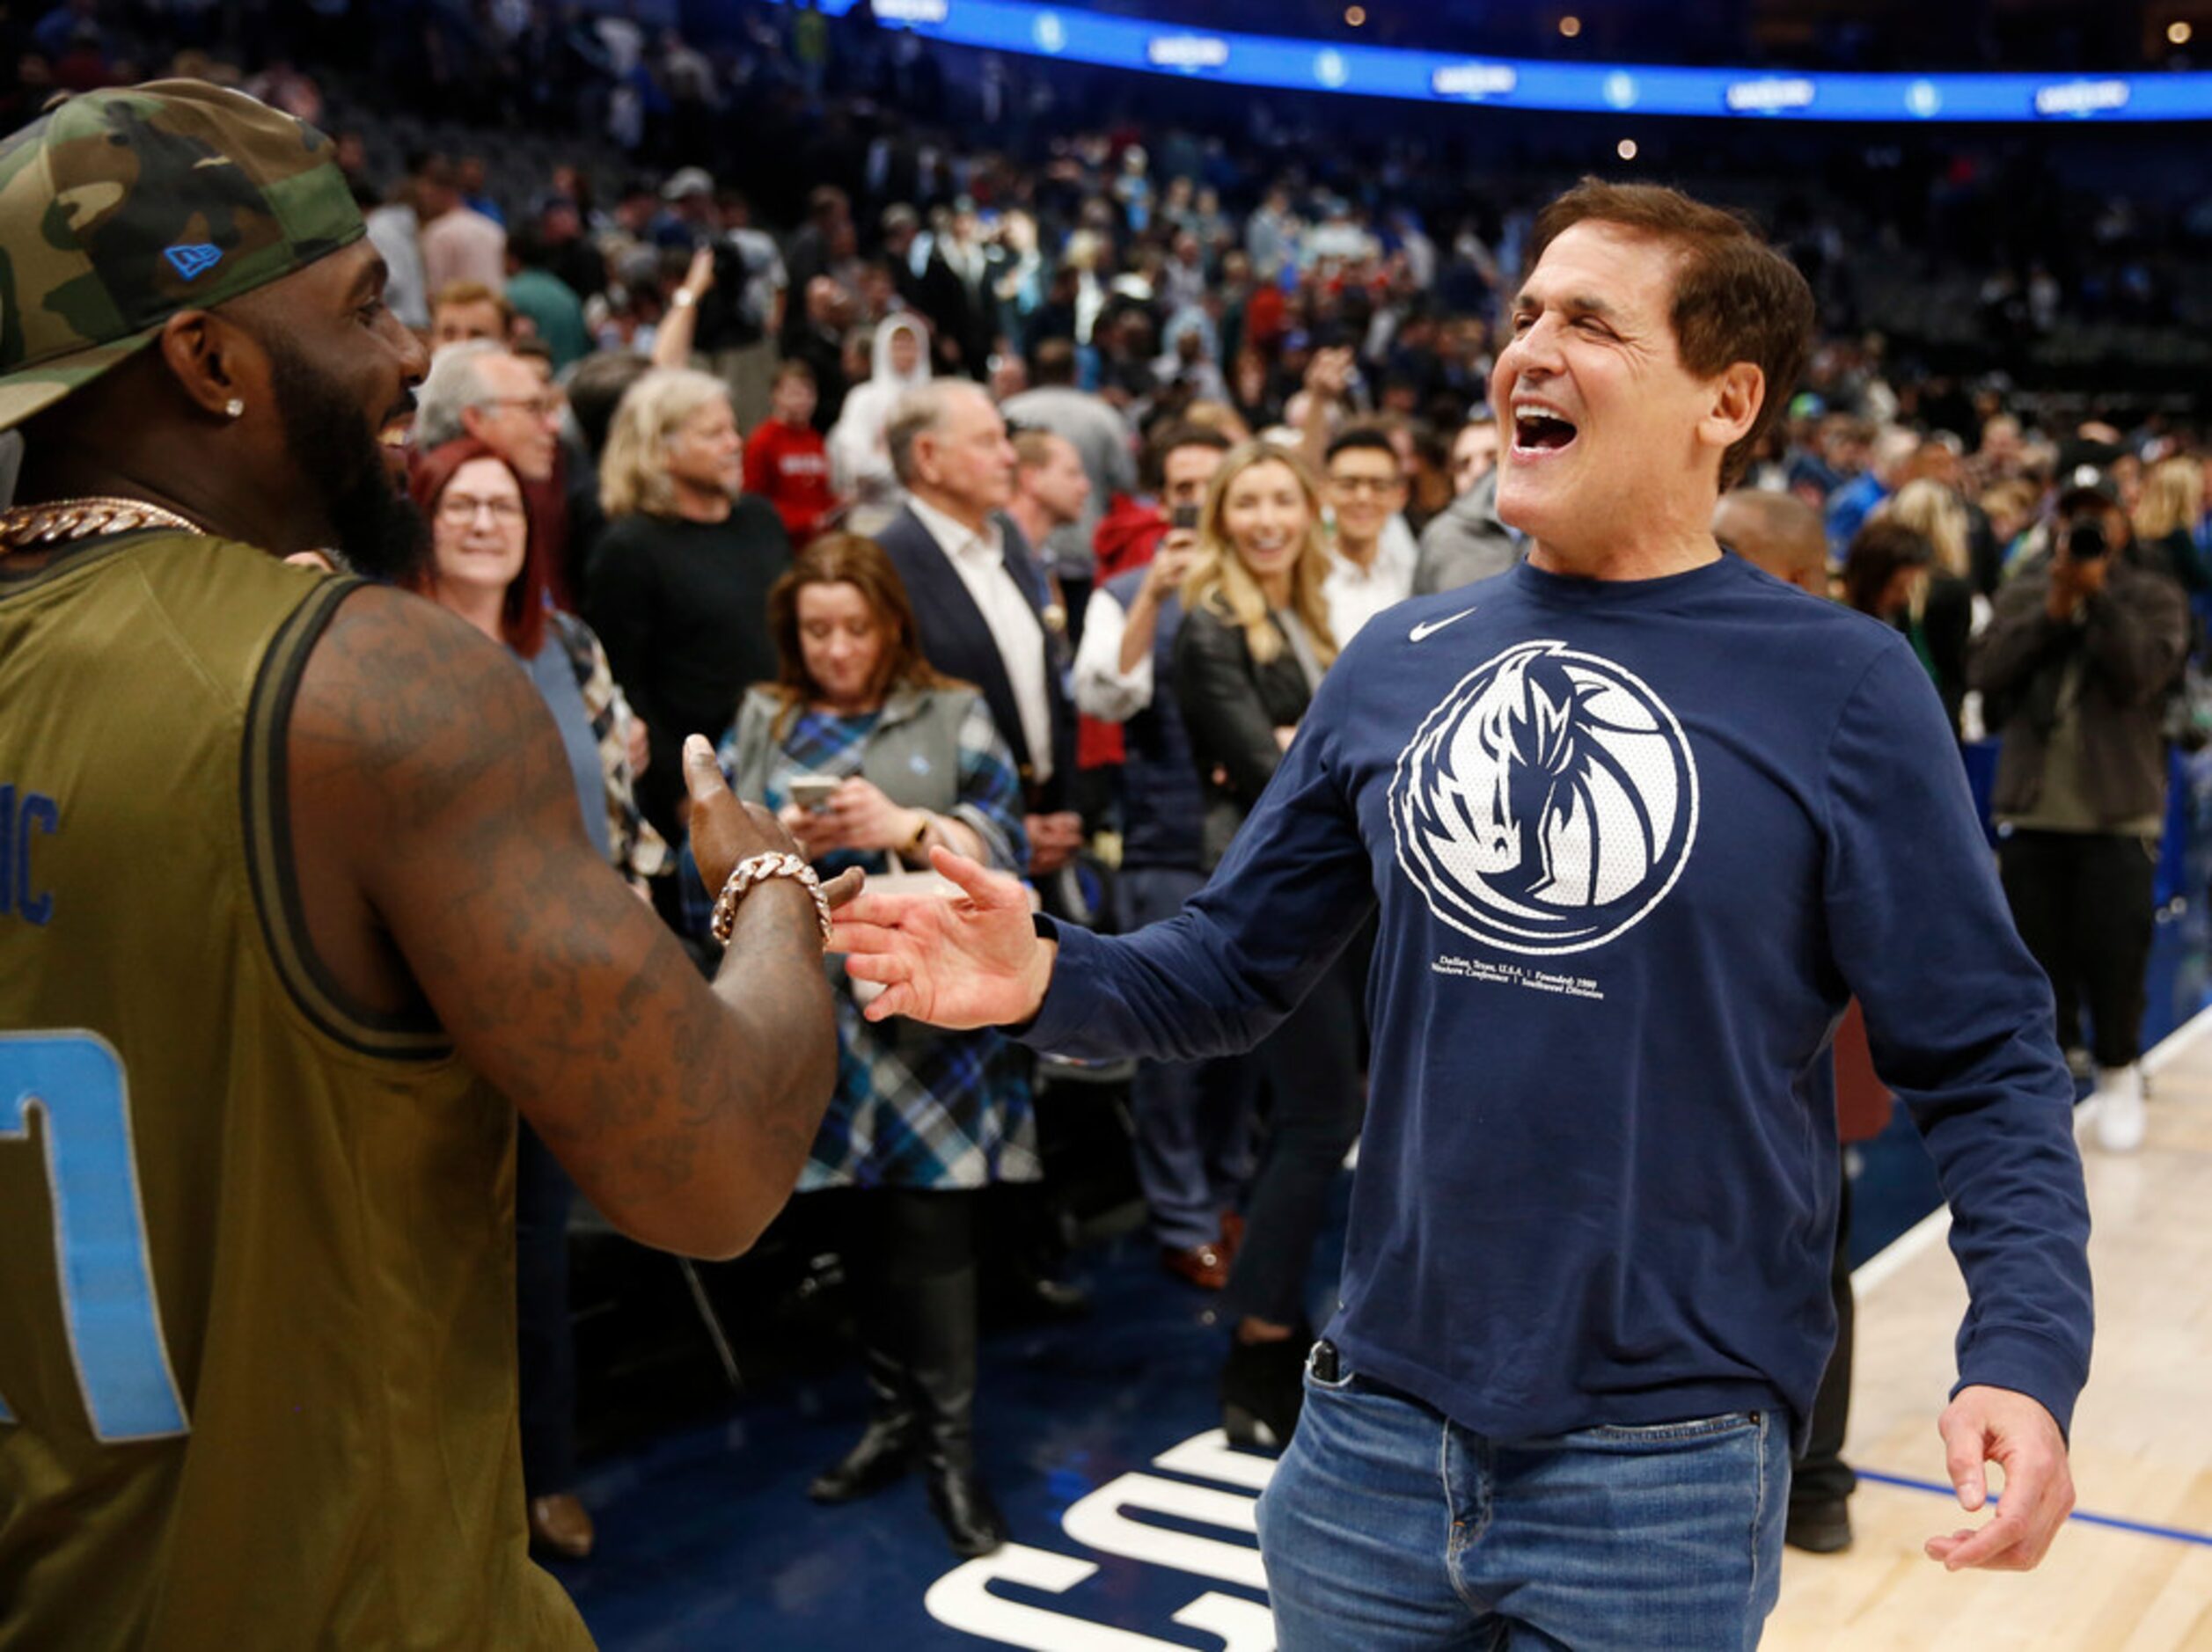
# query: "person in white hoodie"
{"points": [[859, 458]]}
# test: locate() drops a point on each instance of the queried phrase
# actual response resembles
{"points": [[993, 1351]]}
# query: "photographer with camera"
{"points": [[2075, 667]]}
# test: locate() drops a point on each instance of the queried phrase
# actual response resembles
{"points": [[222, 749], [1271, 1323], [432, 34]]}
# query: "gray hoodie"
{"points": [[1466, 542]]}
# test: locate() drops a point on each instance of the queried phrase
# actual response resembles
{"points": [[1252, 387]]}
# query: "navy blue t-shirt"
{"points": [[1636, 845]]}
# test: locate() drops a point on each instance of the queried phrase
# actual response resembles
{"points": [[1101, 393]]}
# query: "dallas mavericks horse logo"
{"points": [[1548, 804]]}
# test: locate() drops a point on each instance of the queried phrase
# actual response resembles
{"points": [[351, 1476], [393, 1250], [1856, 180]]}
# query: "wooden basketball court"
{"points": [[1134, 1524], [2134, 1568]]}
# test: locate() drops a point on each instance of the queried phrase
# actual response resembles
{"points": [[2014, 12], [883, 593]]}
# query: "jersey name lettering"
{"points": [[36, 815]]}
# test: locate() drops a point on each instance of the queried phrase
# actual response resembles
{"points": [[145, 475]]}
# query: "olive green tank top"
{"points": [[257, 1287]]}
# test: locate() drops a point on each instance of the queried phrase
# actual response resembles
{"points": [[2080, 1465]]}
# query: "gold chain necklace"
{"points": [[84, 518]]}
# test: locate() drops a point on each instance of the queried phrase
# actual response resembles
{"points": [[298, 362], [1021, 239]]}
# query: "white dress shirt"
{"points": [[980, 560], [1357, 594], [1102, 689]]}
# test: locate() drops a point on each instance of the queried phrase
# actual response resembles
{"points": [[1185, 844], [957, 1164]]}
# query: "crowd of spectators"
{"points": [[1130, 429], [2005, 243]]}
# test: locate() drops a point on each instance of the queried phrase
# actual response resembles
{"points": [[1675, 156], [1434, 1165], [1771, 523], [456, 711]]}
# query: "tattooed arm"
{"points": [[442, 864]]}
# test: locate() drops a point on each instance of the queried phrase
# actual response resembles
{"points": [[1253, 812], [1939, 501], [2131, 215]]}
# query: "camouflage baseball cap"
{"points": [[120, 208]]}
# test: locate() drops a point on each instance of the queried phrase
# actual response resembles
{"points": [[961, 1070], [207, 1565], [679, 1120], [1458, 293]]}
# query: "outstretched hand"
{"points": [[726, 831], [1995, 1425], [971, 961]]}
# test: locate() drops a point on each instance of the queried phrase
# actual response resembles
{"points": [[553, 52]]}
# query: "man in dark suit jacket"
{"points": [[979, 598], [979, 605]]}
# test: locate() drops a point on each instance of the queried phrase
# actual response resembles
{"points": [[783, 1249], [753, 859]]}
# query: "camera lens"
{"points": [[2085, 541]]}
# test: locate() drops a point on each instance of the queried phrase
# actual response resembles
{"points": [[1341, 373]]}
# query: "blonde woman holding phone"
{"points": [[1255, 641]]}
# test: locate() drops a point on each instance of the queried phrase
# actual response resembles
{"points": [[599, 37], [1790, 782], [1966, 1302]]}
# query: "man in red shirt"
{"points": [[786, 461]]}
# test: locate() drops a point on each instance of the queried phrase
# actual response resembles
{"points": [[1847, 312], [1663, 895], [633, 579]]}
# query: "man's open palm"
{"points": [[973, 960]]}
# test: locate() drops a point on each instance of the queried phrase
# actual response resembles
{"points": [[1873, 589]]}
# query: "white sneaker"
{"points": [[2119, 1117]]}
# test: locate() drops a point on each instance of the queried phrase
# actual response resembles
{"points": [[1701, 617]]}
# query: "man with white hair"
{"points": [[980, 600], [483, 390]]}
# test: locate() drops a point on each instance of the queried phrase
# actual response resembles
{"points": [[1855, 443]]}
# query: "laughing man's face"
{"points": [[1600, 416]]}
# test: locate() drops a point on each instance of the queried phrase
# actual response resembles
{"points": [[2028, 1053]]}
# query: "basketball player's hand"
{"points": [[816, 833], [973, 960], [1995, 1425], [725, 831]]}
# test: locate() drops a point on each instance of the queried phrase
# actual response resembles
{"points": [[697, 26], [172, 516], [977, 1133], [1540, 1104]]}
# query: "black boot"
{"points": [[885, 1451], [1263, 1389], [942, 1336], [963, 1505]]}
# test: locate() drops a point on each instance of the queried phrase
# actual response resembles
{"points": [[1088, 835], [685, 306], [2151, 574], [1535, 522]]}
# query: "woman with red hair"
{"points": [[483, 568]]}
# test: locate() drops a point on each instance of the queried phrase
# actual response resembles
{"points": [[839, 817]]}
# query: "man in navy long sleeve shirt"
{"points": [[1640, 820]]}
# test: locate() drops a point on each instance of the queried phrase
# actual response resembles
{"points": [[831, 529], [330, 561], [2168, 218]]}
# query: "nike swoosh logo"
{"points": [[1423, 631]]}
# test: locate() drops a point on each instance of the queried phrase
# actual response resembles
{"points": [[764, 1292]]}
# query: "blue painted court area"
{"points": [[707, 1540]]}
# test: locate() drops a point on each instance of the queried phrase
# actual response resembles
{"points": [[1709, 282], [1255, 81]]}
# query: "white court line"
{"points": [[1932, 1228], [1929, 1230], [2174, 1044]]}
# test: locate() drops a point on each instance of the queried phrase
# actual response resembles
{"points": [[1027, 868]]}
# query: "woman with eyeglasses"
{"points": [[678, 586], [483, 568]]}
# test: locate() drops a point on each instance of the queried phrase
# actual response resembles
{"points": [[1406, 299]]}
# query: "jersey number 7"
{"points": [[76, 1079]]}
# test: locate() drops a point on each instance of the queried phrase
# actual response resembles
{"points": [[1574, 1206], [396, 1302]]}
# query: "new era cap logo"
{"points": [[193, 258]]}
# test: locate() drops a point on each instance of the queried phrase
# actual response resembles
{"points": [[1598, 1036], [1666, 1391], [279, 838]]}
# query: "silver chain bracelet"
{"points": [[756, 871]]}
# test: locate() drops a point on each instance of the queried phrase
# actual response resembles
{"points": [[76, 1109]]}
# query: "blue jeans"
{"points": [[1389, 1529]]}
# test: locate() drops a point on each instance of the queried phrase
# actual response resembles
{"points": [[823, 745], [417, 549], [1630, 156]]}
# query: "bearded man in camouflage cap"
{"points": [[143, 281], [293, 891]]}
